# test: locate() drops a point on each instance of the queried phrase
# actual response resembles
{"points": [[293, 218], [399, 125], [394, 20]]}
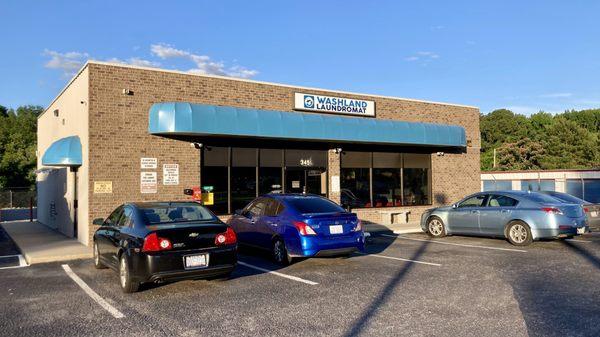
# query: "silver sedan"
{"points": [[520, 217]]}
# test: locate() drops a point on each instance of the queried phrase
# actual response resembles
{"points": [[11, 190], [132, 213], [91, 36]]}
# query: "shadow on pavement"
{"points": [[361, 323]]}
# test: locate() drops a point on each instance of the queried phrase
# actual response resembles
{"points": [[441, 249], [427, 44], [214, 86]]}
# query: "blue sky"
{"points": [[522, 55]]}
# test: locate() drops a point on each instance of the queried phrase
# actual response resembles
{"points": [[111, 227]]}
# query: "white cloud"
{"points": [[135, 61], [68, 62], [557, 95], [423, 56], [203, 63], [71, 62]]}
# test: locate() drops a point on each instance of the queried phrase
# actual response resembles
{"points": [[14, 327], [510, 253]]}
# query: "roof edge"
{"points": [[269, 83], [65, 88]]}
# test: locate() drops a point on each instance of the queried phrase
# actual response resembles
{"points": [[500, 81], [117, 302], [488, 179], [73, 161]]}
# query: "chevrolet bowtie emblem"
{"points": [[193, 235]]}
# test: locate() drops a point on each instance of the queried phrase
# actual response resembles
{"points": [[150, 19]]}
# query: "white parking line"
{"points": [[22, 262], [577, 240], [277, 273], [456, 244], [91, 293], [401, 259]]}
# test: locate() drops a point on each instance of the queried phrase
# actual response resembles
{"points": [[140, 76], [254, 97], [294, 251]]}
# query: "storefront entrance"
{"points": [[306, 180]]}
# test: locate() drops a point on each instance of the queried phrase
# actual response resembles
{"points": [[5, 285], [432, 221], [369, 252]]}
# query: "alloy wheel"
{"points": [[436, 227], [518, 233], [278, 251]]}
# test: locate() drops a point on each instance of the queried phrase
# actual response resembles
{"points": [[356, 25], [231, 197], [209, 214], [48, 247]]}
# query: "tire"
{"points": [[436, 227], [128, 285], [280, 253], [519, 234], [97, 263]]}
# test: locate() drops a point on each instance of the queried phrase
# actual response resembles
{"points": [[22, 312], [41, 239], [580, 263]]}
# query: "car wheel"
{"points": [[519, 234], [436, 227], [280, 253], [127, 284], [97, 263]]}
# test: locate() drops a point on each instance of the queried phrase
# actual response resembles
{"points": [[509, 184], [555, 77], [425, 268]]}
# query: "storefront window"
{"points": [[387, 181], [591, 190], [415, 179], [214, 176], [575, 188], [497, 185], [243, 177], [269, 171], [537, 185], [355, 179]]}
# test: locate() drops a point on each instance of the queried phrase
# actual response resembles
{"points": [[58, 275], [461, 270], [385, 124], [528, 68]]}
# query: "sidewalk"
{"points": [[412, 227], [41, 244]]}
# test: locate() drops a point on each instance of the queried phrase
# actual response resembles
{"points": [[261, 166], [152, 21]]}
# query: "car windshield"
{"points": [[306, 205], [567, 198], [175, 212]]}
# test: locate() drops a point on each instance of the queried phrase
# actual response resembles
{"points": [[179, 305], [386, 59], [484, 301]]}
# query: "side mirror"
{"points": [[98, 222], [188, 191], [454, 205]]}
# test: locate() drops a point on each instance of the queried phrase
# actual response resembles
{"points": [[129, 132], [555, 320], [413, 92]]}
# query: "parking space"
{"points": [[404, 285]]}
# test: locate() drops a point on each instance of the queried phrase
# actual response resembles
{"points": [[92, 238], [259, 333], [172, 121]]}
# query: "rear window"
{"points": [[542, 198], [307, 205], [567, 198], [171, 213]]}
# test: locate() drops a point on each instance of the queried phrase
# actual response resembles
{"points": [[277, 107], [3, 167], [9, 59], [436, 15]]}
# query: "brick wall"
{"points": [[118, 135]]}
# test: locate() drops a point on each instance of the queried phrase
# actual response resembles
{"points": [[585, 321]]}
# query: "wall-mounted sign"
{"points": [[334, 104], [306, 162], [148, 163], [170, 174], [208, 188], [102, 187], [148, 182]]}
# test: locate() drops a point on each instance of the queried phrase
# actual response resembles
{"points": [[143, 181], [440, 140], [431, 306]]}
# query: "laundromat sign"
{"points": [[333, 104]]}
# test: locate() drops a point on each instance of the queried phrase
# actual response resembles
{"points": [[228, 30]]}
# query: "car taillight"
{"points": [[552, 210], [153, 243], [227, 238], [303, 228], [358, 226]]}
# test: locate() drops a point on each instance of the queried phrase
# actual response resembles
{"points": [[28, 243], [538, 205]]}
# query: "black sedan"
{"points": [[164, 241]]}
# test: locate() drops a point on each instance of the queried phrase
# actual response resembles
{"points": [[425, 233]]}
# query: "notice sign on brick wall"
{"points": [[148, 182], [148, 163], [102, 187], [170, 174]]}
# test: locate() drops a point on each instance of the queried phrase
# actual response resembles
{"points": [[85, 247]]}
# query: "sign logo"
{"points": [[309, 101], [334, 104]]}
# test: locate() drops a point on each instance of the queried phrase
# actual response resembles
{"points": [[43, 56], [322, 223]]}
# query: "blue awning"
{"points": [[63, 152], [211, 120]]}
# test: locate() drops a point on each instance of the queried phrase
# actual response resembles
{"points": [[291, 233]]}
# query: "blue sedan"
{"points": [[520, 217], [298, 225]]}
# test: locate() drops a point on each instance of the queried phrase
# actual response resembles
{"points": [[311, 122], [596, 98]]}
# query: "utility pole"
{"points": [[494, 158]]}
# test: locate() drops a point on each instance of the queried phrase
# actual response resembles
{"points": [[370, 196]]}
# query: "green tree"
{"points": [[18, 139], [570, 146], [523, 154]]}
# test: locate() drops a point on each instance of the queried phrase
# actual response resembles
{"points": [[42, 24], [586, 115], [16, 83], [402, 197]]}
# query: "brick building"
{"points": [[120, 133]]}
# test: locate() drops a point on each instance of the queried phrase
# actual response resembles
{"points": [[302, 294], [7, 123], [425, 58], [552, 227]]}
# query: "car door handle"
{"points": [[505, 211], [474, 212]]}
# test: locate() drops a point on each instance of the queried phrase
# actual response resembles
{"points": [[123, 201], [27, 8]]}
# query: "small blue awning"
{"points": [[211, 120], [63, 152]]}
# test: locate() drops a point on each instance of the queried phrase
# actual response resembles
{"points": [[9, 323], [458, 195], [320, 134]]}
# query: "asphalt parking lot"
{"points": [[404, 285]]}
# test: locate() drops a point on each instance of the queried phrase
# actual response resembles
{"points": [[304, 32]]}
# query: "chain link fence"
{"points": [[17, 198]]}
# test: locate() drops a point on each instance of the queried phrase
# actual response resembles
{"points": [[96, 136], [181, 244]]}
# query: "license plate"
{"points": [[196, 261], [581, 230], [337, 229], [594, 214]]}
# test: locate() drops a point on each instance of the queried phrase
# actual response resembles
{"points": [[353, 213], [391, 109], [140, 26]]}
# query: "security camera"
{"points": [[440, 154], [196, 145], [337, 150]]}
